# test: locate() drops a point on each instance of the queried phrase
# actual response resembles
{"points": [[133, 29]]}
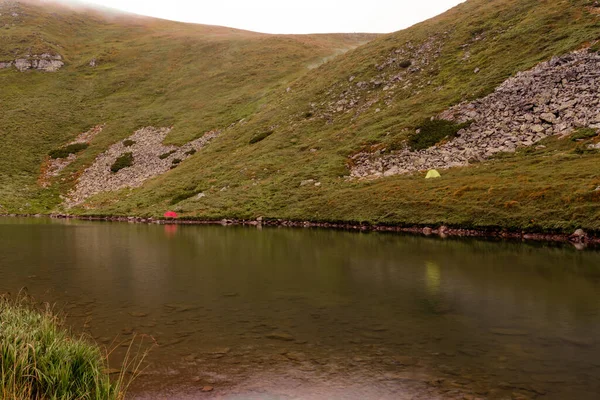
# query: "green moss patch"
{"points": [[431, 132], [166, 155], [64, 152], [584, 134], [175, 162], [125, 160], [260, 136]]}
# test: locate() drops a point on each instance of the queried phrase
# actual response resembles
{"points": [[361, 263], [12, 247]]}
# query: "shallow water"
{"points": [[315, 314]]}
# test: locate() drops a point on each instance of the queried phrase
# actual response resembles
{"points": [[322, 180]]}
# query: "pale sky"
{"points": [[291, 16]]}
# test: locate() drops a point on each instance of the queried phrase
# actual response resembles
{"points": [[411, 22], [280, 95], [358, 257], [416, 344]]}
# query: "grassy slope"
{"points": [[150, 72], [547, 189]]}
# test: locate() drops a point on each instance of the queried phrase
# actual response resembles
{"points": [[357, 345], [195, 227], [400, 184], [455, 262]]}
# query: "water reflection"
{"points": [[433, 277], [278, 311], [171, 230]]}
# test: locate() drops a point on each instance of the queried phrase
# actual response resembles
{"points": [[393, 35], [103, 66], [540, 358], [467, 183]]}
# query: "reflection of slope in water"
{"points": [[236, 307], [433, 277]]}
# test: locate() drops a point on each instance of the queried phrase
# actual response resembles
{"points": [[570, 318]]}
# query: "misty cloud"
{"points": [[275, 16]]}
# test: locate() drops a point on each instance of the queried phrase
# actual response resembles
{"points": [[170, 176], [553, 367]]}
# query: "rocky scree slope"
{"points": [[553, 98], [150, 158]]}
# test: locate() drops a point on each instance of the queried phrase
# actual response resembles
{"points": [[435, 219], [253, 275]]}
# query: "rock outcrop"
{"points": [[150, 158], [553, 98], [45, 62]]}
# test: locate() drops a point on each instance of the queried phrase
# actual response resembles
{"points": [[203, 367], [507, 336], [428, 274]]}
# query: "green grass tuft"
{"points": [[583, 134], [260, 136], [582, 149], [64, 152], [175, 162], [39, 359], [125, 160], [434, 131], [128, 142], [183, 196], [167, 154]]}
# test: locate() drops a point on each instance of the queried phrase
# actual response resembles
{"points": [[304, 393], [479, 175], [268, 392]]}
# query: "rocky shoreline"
{"points": [[580, 239]]}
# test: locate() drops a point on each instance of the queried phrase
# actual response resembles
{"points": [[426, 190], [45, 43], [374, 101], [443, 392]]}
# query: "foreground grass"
{"points": [[40, 359]]}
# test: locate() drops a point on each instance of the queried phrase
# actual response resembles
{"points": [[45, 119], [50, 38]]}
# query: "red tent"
{"points": [[170, 214]]}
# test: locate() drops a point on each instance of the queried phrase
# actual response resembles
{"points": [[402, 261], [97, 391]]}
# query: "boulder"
{"points": [[549, 118], [49, 65], [537, 128], [22, 64], [307, 182], [578, 236]]}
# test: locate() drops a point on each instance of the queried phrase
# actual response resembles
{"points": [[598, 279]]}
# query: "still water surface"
{"points": [[314, 314]]}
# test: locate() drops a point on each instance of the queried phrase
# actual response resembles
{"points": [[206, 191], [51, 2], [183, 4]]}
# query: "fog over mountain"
{"points": [[271, 16]]}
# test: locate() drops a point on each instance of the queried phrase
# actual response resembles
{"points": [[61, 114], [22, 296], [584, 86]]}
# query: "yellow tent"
{"points": [[433, 174]]}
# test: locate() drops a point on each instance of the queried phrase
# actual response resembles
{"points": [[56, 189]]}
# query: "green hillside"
{"points": [[294, 124], [148, 72]]}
